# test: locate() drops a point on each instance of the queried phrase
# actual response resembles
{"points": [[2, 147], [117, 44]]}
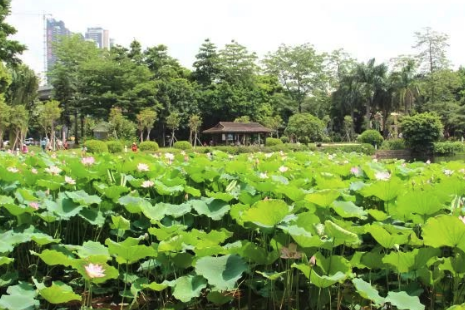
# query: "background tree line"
{"points": [[296, 90]]}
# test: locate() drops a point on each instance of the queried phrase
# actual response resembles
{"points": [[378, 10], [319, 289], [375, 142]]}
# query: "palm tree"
{"points": [[406, 86], [371, 77]]}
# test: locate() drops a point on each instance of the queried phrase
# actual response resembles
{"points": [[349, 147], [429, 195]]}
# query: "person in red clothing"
{"points": [[134, 147]]}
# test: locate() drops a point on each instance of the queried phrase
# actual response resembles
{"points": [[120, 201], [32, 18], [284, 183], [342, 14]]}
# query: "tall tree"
{"points": [[5, 114], [300, 69], [432, 50], [405, 83], [146, 119], [194, 125], [207, 64], [24, 87], [48, 114], [372, 77], [237, 64], [172, 122], [9, 49], [19, 119]]}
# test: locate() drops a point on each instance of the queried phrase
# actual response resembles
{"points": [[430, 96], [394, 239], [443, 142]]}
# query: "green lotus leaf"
{"points": [[272, 276], [348, 209], [157, 287], [219, 298], [120, 223], [18, 209], [4, 200], [82, 198], [115, 191], [226, 197], [386, 239], [93, 216], [6, 260], [20, 297], [43, 239], [166, 232], [53, 258], [188, 287], [266, 213], [212, 208], [323, 198], [384, 190], [91, 248], [444, 230], [164, 190], [134, 204], [418, 202], [403, 301], [368, 292], [64, 207], [378, 215], [326, 281], [340, 235], [400, 261], [129, 251], [292, 192], [58, 293], [192, 191], [457, 307], [221, 272]]}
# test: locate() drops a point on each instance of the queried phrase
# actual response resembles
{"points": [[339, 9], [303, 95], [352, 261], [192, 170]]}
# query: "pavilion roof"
{"points": [[232, 127]]}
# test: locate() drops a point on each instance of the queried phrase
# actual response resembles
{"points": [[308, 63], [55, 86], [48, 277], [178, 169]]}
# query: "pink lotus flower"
{"points": [[355, 170], [53, 170], [12, 169], [70, 180], [34, 205], [283, 169], [141, 167], [290, 252], [147, 184], [382, 176], [88, 161], [313, 260], [95, 271]]}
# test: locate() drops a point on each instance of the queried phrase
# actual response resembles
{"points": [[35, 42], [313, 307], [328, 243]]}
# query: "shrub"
{"points": [[372, 137], [305, 128], [448, 148], [285, 139], [148, 146], [182, 145], [420, 131], [394, 144], [114, 146], [273, 142], [96, 146]]}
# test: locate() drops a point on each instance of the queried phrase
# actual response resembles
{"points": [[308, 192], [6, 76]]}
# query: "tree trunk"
{"points": [[190, 136], [367, 116], [195, 138], [148, 134], [141, 136], [83, 128], [1, 138], [76, 128]]}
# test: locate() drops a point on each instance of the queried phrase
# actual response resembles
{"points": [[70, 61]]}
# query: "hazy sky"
{"points": [[365, 28]]}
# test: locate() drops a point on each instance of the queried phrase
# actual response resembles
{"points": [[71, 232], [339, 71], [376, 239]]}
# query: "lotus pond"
{"points": [[215, 231]]}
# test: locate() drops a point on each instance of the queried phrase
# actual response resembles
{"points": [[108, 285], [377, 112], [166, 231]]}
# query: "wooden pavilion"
{"points": [[231, 133]]}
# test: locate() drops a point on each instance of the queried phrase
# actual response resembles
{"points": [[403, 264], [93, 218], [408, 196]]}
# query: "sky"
{"points": [[382, 29]]}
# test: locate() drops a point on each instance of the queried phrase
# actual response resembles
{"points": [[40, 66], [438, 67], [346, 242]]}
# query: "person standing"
{"points": [[134, 147]]}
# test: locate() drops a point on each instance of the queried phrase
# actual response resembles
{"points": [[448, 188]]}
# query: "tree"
{"points": [[372, 77], [120, 126], [242, 119], [23, 88], [5, 116], [172, 122], [300, 69], [194, 125], [237, 64], [9, 49], [274, 123], [304, 127], [420, 131], [348, 128], [405, 83], [432, 48], [207, 64], [146, 118], [47, 114], [19, 118]]}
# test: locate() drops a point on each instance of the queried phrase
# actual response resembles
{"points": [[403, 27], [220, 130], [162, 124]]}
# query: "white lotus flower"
{"points": [[448, 172], [34, 171], [268, 155], [283, 169], [95, 271], [169, 156], [12, 169], [141, 167], [70, 180], [147, 184], [263, 175], [53, 170], [382, 176]]}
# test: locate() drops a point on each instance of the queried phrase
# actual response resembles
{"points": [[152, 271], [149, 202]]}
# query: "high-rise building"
{"points": [[100, 36], [55, 30]]}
